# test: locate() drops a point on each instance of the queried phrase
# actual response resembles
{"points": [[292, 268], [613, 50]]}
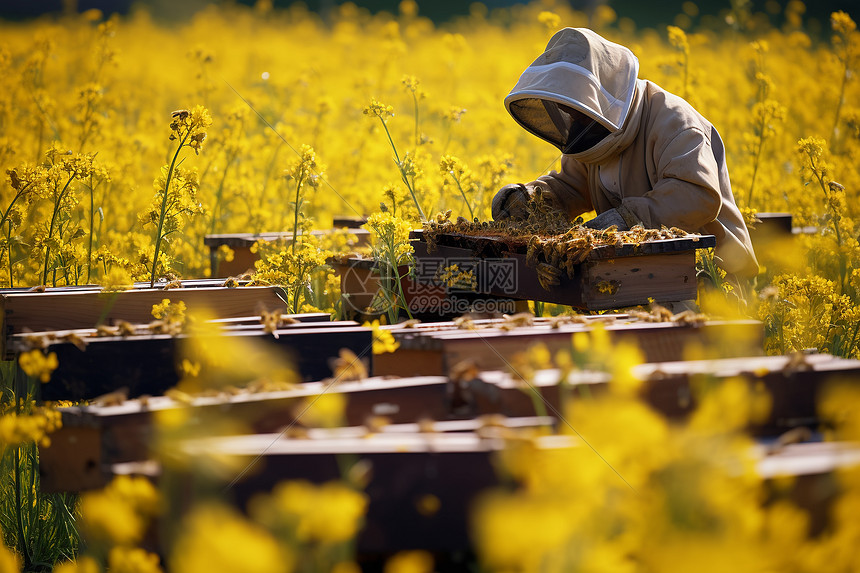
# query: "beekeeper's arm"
{"points": [[686, 192]]}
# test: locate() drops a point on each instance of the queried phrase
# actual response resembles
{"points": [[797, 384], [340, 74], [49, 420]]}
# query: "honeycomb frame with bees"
{"points": [[567, 263]]}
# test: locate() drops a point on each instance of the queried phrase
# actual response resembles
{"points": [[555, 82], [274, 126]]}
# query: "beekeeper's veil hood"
{"points": [[579, 93]]}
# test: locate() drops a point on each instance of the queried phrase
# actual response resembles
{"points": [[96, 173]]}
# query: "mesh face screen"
{"points": [[568, 129]]}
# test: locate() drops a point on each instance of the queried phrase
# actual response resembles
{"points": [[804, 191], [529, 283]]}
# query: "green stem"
{"points": [[12, 203], [51, 229], [402, 172], [296, 209], [392, 264], [463, 193], [164, 209], [9, 247], [19, 508], [537, 400], [759, 149], [92, 224], [402, 296], [296, 298]]}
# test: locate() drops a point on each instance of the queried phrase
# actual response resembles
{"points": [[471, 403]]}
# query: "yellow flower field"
{"points": [[367, 109], [124, 141]]}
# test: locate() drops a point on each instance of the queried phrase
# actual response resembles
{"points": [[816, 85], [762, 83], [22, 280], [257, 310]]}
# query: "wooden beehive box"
{"points": [[124, 432], [146, 364], [609, 277], [435, 348], [85, 307], [118, 433]]}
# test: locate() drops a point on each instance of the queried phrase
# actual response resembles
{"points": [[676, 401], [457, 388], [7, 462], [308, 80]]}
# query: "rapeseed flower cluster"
{"points": [[621, 488], [383, 340], [82, 130]]}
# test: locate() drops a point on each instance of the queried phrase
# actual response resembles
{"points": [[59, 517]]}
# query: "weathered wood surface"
{"points": [[24, 341], [435, 348], [123, 432], [610, 276], [303, 317], [141, 285], [673, 388], [147, 364], [84, 308]]}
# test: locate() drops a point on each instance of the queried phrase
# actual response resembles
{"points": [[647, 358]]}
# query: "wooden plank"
{"points": [[434, 350], [146, 364], [233, 240], [141, 285], [84, 309], [670, 387], [23, 341]]}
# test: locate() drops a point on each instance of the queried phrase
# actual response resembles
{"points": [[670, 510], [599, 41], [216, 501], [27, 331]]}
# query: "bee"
{"points": [[75, 338], [125, 328], [103, 330], [114, 398]]}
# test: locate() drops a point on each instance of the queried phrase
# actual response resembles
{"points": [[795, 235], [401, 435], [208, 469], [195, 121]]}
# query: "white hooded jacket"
{"points": [[662, 162]]}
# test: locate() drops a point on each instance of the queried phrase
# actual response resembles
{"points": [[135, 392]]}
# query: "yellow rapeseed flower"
{"points": [[383, 340], [133, 560], [842, 23], [416, 561], [119, 514], [216, 538], [380, 110], [83, 564], [550, 20], [323, 411], [329, 513], [9, 562], [37, 364]]}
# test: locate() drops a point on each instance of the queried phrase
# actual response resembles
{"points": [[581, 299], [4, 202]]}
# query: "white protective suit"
{"points": [[661, 163]]}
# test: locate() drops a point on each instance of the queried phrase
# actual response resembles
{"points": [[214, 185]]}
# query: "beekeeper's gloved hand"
{"points": [[511, 201], [608, 219]]}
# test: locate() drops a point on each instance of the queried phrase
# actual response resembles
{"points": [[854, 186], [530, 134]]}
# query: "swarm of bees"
{"points": [[549, 238]]}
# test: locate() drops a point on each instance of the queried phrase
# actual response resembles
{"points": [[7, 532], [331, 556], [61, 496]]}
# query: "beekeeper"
{"points": [[633, 152]]}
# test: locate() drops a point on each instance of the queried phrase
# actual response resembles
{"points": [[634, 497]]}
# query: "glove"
{"points": [[511, 201], [608, 219]]}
